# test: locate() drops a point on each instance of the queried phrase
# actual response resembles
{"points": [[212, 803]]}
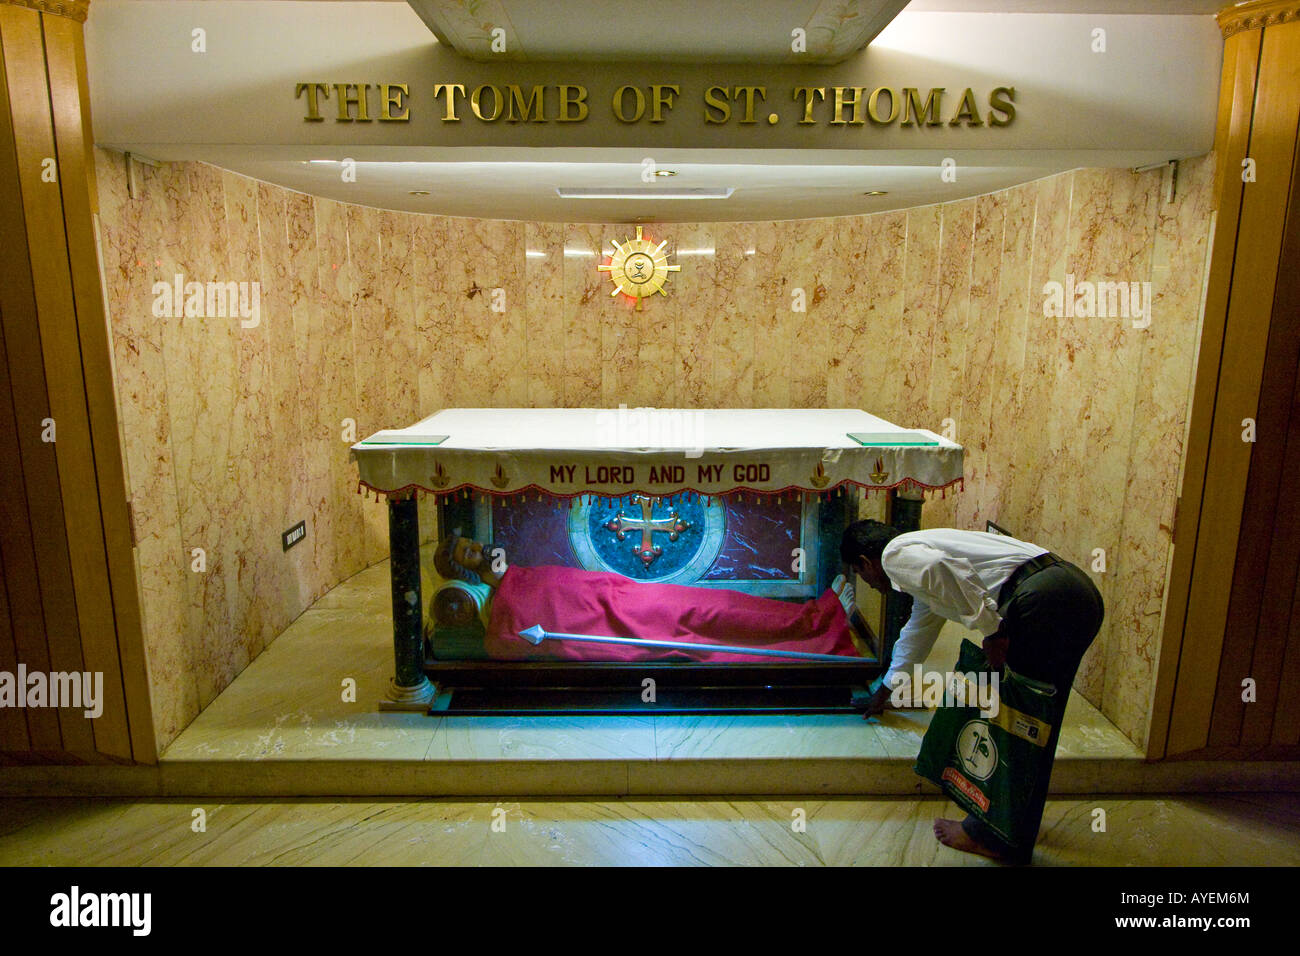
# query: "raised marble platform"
{"points": [[283, 728]]}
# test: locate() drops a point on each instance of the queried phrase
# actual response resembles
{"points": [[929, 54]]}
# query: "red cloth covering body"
{"points": [[599, 603]]}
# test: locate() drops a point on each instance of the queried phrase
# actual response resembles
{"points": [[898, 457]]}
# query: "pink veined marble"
{"points": [[1073, 426]]}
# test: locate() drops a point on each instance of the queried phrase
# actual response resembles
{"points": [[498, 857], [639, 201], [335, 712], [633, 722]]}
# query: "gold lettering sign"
{"points": [[511, 103]]}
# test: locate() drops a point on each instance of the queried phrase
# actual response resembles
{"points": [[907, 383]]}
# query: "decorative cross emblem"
{"points": [[672, 526]]}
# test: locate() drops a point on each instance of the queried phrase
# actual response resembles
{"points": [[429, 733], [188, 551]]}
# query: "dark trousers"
{"points": [[1050, 620]]}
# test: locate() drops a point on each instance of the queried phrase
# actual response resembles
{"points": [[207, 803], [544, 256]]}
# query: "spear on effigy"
{"points": [[536, 634]]}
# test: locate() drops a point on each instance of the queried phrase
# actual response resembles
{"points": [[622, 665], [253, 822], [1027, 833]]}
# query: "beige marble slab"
{"points": [[618, 778], [543, 738], [746, 736], [289, 704], [1210, 831]]}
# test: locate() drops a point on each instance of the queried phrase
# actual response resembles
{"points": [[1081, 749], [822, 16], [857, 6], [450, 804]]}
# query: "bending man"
{"points": [[1037, 613]]}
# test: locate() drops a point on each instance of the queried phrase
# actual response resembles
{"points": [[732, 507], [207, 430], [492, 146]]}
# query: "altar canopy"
{"points": [[610, 453]]}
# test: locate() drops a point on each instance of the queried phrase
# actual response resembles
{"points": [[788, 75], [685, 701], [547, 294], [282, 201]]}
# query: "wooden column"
{"points": [[1231, 535], [65, 541]]}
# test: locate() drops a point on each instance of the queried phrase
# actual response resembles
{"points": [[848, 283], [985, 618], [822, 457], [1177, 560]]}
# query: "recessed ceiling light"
{"points": [[665, 172], [419, 192], [876, 192]]}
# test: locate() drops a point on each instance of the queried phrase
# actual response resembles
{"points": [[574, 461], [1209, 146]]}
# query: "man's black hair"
{"points": [[866, 539]]}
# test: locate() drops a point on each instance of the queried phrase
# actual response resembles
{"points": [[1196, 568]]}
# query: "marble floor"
{"points": [[302, 722], [280, 710], [1237, 830]]}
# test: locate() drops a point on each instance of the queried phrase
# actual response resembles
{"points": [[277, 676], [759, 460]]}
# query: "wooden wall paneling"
{"points": [[36, 515], [1273, 718], [30, 108], [1268, 553], [13, 722], [1279, 645], [1254, 275], [1286, 720], [1236, 90], [1244, 603], [1280, 514], [1241, 64], [1268, 548], [65, 55]]}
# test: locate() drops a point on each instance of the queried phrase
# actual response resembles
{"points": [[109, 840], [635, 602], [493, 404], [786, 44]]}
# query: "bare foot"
{"points": [[950, 833]]}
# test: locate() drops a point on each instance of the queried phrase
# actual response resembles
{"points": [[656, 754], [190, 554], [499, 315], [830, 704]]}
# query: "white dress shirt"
{"points": [[951, 575]]}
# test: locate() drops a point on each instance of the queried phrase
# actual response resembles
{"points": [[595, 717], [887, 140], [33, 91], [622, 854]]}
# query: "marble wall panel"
{"points": [[736, 300], [587, 303], [203, 397], [253, 586], [773, 318], [468, 261], [505, 313], [810, 261], [337, 383], [373, 369], [1105, 356], [435, 348], [135, 257], [977, 374], [1001, 465], [849, 351], [876, 299], [694, 314], [1040, 399], [543, 362], [289, 578], [1167, 353], [913, 349], [951, 339], [314, 501], [1073, 427]]}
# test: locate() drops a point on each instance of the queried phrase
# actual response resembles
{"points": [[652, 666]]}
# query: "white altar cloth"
{"points": [[615, 452]]}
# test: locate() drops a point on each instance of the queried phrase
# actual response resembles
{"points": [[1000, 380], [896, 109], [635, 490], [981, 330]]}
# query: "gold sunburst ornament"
{"points": [[638, 268]]}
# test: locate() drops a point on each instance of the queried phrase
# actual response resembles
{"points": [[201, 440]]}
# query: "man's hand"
{"points": [[879, 702], [995, 649]]}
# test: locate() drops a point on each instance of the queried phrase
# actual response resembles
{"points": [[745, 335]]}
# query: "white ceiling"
{"points": [[513, 189], [520, 183], [716, 31]]}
